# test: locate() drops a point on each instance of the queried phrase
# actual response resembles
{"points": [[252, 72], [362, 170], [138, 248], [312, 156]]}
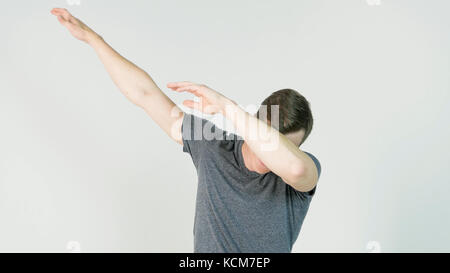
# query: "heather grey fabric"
{"points": [[238, 210]]}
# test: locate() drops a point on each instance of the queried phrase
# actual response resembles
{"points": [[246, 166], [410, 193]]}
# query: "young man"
{"points": [[254, 188]]}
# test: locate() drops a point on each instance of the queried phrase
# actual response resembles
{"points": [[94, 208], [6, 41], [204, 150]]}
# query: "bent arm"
{"points": [[296, 168], [274, 149], [132, 81]]}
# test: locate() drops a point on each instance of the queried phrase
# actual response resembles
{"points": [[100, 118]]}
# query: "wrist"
{"points": [[93, 38]]}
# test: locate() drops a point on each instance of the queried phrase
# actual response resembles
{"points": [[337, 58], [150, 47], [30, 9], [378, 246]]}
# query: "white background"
{"points": [[78, 162]]}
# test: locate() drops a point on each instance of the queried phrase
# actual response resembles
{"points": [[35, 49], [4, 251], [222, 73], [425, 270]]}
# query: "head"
{"points": [[294, 117]]}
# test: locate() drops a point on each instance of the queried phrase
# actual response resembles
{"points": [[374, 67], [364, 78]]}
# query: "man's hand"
{"points": [[77, 28], [211, 102]]}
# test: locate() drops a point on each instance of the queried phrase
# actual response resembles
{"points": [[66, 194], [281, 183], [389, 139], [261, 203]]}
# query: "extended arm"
{"points": [[131, 80]]}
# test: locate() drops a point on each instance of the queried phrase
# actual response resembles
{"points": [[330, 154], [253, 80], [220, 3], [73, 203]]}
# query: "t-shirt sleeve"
{"points": [[316, 161], [319, 170], [196, 132]]}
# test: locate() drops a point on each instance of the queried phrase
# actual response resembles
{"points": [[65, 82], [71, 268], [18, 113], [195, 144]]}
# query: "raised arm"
{"points": [[131, 80]]}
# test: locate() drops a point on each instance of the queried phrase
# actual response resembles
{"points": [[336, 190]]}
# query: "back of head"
{"points": [[294, 112]]}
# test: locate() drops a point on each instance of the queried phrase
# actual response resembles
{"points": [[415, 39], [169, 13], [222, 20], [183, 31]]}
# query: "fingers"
{"points": [[62, 20], [64, 16], [194, 89], [178, 85], [174, 85], [186, 87], [56, 11], [59, 11], [64, 13]]}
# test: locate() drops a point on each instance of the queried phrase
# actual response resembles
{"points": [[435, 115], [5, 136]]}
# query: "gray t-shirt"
{"points": [[238, 210]]}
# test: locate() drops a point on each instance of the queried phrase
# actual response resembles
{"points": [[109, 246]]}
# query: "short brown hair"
{"points": [[294, 111]]}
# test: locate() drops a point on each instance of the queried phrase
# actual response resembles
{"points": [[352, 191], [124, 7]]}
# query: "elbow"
{"points": [[301, 178], [297, 172]]}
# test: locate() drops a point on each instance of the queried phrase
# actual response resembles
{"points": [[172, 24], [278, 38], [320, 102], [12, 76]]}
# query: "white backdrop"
{"points": [[78, 162]]}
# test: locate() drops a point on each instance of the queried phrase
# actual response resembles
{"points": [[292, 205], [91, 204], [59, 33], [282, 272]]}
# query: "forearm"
{"points": [[268, 144], [131, 80]]}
